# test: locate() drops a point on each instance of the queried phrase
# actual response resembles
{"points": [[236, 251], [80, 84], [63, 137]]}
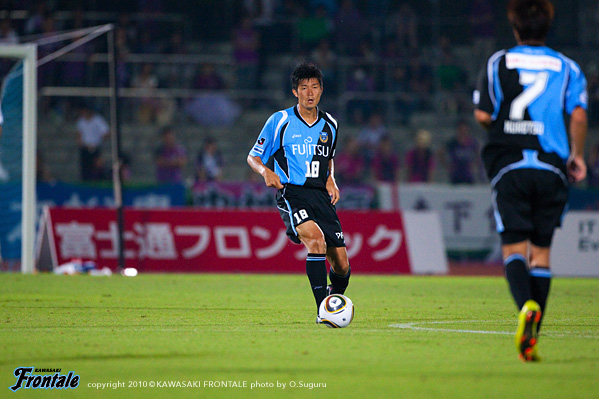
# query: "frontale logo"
{"points": [[27, 378]]}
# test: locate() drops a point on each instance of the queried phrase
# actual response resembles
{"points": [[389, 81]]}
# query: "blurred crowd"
{"points": [[387, 59], [361, 46], [374, 156]]}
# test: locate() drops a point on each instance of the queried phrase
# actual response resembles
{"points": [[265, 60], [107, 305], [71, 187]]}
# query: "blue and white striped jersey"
{"points": [[301, 152], [527, 89]]}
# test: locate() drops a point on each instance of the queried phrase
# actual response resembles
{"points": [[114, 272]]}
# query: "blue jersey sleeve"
{"points": [[267, 144], [576, 92]]}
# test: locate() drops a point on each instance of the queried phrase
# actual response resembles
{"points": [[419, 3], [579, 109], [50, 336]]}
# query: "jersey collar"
{"points": [[299, 116]]}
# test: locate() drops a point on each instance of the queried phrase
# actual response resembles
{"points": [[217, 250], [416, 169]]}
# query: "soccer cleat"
{"points": [[527, 334], [318, 320]]}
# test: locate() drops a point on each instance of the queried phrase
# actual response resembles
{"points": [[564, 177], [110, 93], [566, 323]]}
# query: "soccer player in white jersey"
{"points": [[300, 142], [531, 156]]}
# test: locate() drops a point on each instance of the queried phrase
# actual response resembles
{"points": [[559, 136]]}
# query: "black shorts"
{"points": [[529, 204], [299, 204]]}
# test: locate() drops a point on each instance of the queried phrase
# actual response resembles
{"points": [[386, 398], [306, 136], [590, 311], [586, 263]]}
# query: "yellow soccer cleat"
{"points": [[526, 334]]}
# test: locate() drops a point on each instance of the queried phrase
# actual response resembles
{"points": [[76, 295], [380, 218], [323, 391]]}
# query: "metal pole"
{"points": [[29, 159], [115, 139]]}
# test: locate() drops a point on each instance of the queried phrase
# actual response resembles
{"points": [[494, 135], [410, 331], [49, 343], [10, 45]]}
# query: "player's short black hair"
{"points": [[530, 18], [305, 71]]}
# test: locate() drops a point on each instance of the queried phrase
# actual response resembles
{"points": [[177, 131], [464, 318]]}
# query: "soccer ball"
{"points": [[336, 311]]}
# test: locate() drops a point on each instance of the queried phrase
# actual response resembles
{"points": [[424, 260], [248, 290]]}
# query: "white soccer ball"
{"points": [[336, 311]]}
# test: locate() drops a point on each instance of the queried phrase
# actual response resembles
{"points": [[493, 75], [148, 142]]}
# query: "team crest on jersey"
{"points": [[324, 137]]}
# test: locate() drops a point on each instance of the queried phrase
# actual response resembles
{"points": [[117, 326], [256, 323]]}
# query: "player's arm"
{"points": [[481, 98], [264, 148], [332, 184], [577, 169], [483, 118], [270, 178]]}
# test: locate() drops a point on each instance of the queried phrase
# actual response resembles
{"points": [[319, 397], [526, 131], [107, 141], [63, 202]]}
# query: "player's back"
{"points": [[526, 90]]}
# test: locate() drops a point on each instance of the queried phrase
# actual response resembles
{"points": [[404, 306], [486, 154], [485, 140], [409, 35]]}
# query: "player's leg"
{"points": [[540, 274], [297, 214], [340, 269], [313, 239], [551, 200], [328, 221], [515, 257], [514, 214], [539, 256], [515, 260]]}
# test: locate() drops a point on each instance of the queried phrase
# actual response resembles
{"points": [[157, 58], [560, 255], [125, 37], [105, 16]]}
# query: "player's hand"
{"points": [[271, 179], [577, 169], [333, 190]]}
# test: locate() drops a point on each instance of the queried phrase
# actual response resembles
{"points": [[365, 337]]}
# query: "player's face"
{"points": [[308, 93]]}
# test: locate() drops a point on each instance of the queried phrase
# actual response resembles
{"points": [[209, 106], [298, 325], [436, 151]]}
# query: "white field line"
{"points": [[416, 326], [413, 326]]}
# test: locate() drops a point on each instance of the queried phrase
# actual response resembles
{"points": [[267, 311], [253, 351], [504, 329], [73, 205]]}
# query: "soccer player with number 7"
{"points": [[299, 143], [521, 98]]}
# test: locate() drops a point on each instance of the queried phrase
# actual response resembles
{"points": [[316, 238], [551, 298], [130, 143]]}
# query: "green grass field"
{"points": [[412, 337]]}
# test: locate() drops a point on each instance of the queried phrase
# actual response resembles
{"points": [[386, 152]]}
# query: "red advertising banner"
{"points": [[191, 240]]}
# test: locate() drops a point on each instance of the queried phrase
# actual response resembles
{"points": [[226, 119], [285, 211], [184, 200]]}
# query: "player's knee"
{"points": [[315, 243], [341, 268], [338, 260], [539, 257]]}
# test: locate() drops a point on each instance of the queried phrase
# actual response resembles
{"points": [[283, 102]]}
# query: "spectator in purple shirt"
{"points": [[349, 163], [462, 153], [385, 164], [171, 158], [208, 78], [246, 45], [420, 160], [350, 28], [482, 28]]}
